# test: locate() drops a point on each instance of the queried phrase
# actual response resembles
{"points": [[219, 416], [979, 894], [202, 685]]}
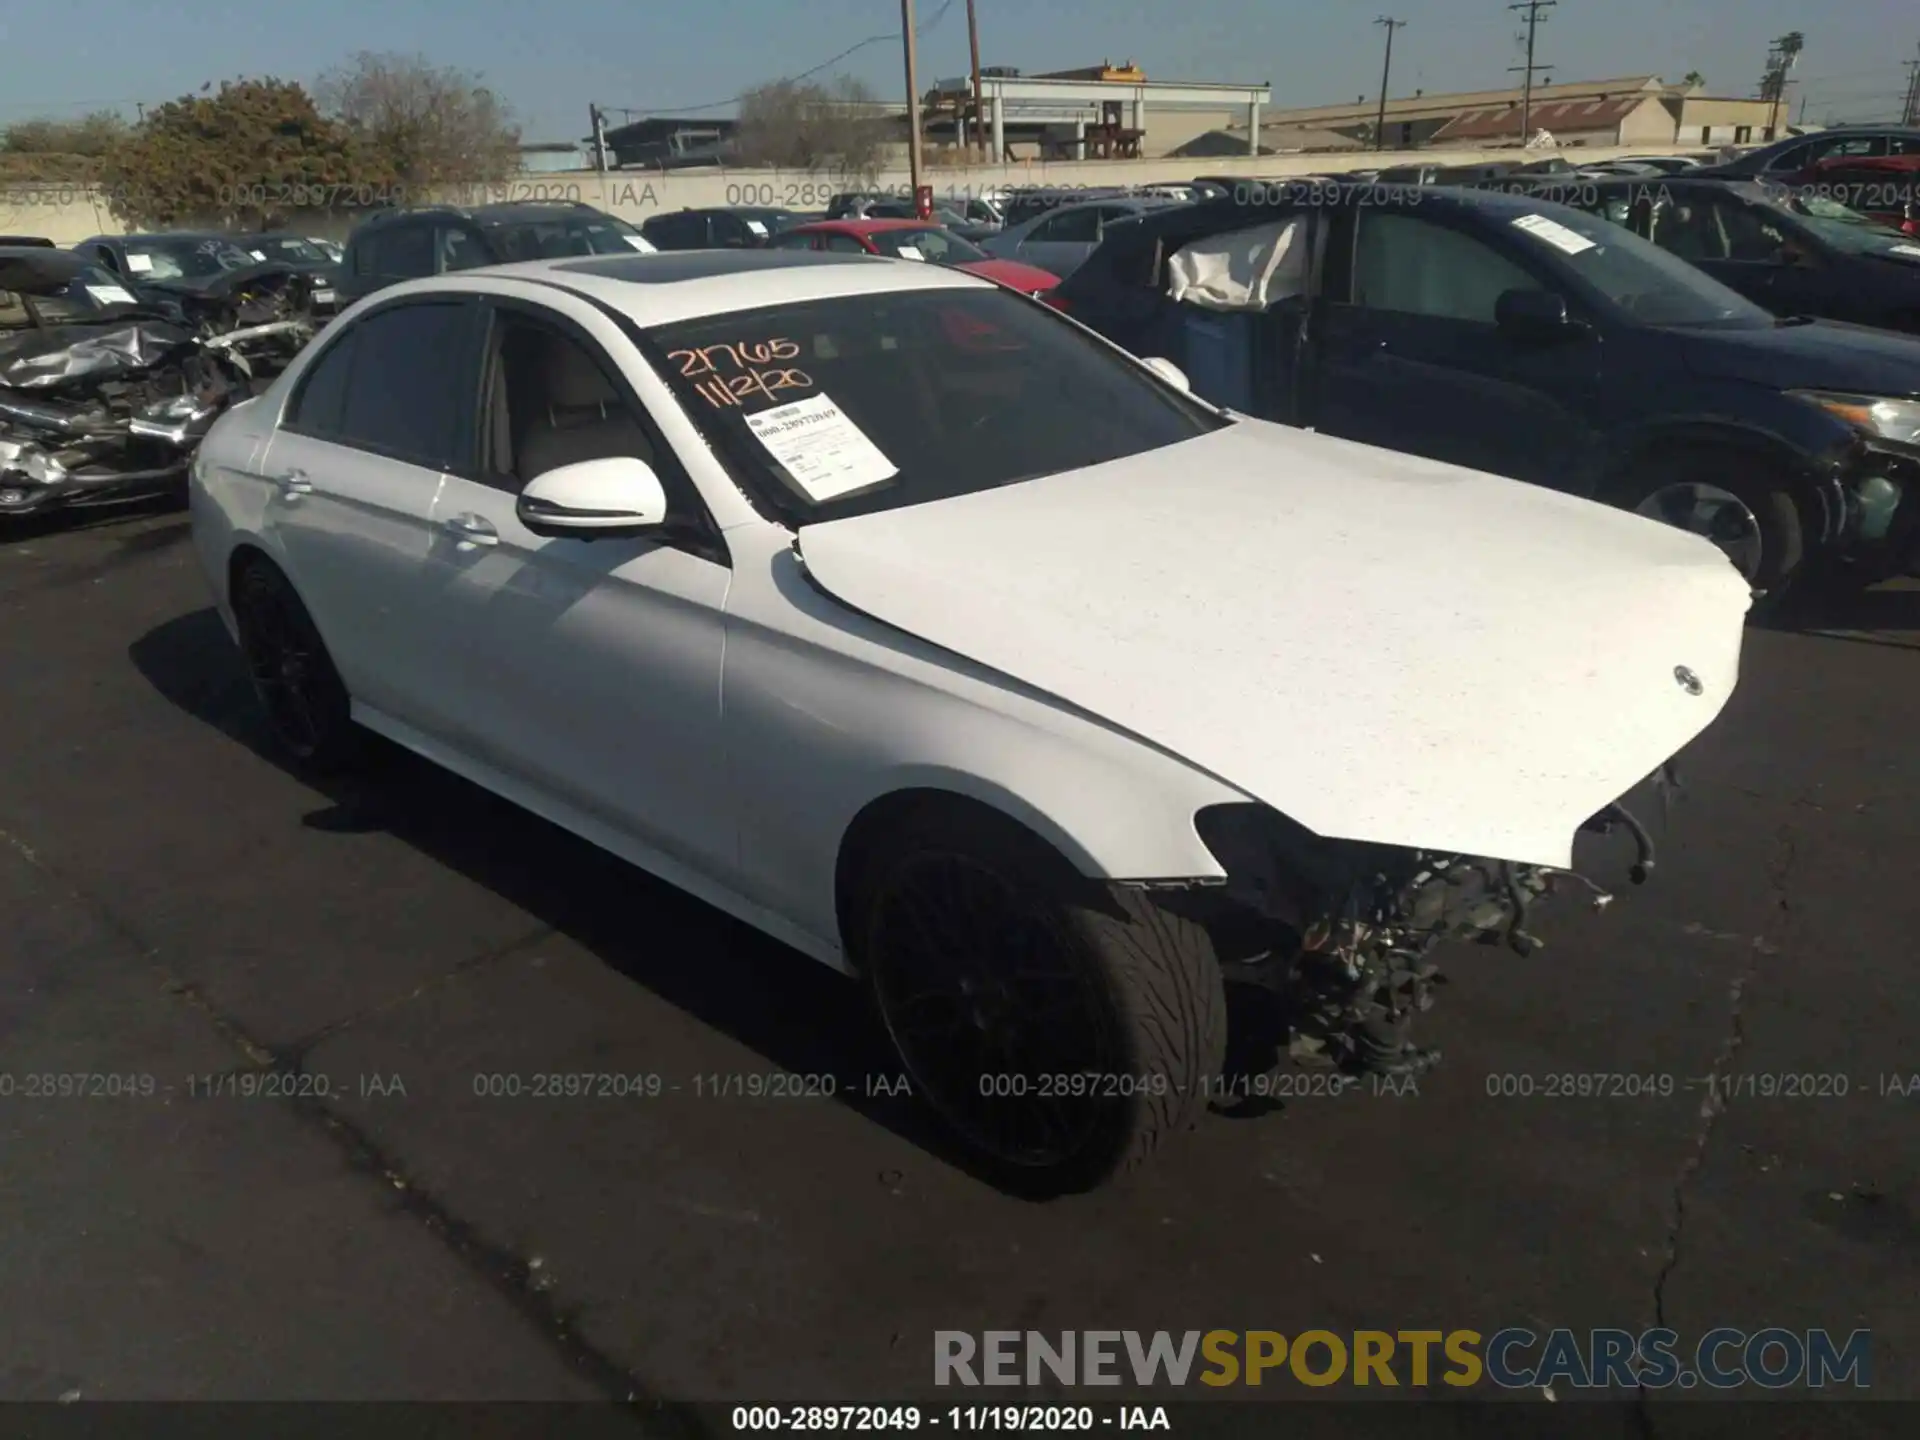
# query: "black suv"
{"points": [[1523, 338], [396, 245], [722, 227]]}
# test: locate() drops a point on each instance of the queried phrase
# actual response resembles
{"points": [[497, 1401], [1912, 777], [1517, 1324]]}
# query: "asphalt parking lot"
{"points": [[176, 905]]}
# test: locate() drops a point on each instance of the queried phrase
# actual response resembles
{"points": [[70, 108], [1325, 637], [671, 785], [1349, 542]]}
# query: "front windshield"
{"points": [[1631, 276], [926, 244], [185, 257], [291, 249], [562, 236], [862, 403], [1848, 230]]}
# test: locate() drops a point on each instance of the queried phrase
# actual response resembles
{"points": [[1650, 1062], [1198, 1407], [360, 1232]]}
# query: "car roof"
{"points": [[678, 285]]}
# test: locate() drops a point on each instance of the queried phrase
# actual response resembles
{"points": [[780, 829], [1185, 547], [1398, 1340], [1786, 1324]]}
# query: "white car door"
{"points": [[352, 470], [1061, 241], [589, 668]]}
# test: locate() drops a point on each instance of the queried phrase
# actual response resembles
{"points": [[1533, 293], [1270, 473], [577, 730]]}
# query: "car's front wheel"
{"points": [[1746, 507], [1062, 1028], [306, 703]]}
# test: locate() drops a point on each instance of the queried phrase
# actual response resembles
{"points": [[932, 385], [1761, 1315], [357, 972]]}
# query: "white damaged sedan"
{"points": [[900, 617]]}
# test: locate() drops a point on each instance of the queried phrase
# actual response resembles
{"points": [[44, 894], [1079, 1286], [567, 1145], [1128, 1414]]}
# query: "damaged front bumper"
{"points": [[1341, 935], [78, 460]]}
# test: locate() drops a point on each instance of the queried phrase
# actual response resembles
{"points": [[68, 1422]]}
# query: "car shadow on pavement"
{"points": [[799, 1015], [1883, 615]]}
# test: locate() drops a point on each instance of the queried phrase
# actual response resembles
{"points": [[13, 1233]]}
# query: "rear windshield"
{"points": [[862, 403]]}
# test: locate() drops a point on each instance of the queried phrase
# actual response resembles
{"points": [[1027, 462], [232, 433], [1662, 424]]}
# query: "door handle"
{"points": [[295, 482], [474, 530]]}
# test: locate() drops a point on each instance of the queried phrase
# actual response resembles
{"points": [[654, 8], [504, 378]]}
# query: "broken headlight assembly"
{"points": [[1340, 935]]}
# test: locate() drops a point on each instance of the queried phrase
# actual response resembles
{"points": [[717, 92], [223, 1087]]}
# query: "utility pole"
{"points": [[913, 102], [1773, 85], [1533, 9], [979, 100], [1910, 111], [599, 122], [1386, 70]]}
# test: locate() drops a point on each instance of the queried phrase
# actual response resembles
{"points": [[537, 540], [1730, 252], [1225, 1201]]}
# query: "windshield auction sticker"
{"points": [[826, 453], [1554, 233]]}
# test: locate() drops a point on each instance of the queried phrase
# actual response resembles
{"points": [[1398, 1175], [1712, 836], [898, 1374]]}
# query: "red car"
{"points": [[1885, 188], [915, 240]]}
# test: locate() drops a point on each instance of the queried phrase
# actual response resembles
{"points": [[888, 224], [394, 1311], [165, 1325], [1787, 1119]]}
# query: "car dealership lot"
{"points": [[179, 907]]}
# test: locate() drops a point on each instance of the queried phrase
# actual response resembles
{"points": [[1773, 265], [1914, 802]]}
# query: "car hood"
{"points": [[1012, 273], [1823, 355], [1384, 648]]}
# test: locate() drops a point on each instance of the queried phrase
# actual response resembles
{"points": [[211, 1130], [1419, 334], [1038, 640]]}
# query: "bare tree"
{"points": [[432, 126], [835, 128]]}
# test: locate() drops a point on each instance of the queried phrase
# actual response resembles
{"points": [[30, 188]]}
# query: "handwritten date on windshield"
{"points": [[726, 375]]}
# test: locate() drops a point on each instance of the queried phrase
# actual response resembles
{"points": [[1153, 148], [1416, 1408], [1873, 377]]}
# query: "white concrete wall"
{"points": [[66, 213]]}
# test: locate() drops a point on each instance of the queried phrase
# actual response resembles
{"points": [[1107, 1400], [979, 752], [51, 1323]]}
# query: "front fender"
{"points": [[830, 712]]}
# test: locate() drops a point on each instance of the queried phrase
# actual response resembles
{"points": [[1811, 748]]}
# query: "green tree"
{"points": [[92, 135], [433, 128], [253, 153], [1693, 79]]}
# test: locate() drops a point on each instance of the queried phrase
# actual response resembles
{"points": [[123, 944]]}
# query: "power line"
{"points": [[891, 37]]}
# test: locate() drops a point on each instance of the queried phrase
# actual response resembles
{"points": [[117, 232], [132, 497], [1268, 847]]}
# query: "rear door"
{"points": [[367, 434], [1408, 355]]}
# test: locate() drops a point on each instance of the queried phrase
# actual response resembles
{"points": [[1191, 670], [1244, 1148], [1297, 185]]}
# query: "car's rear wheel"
{"points": [[1746, 507], [1061, 1028], [305, 701]]}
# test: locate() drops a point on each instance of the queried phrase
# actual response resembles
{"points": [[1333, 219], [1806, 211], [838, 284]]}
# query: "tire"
{"points": [[1760, 486], [306, 703], [1083, 1034]]}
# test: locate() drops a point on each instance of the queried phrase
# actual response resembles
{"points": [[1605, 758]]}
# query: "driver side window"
{"points": [[552, 402], [1413, 266]]}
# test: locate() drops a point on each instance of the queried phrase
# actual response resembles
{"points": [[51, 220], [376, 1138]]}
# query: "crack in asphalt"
{"points": [[513, 1277], [1714, 1105], [296, 1052]]}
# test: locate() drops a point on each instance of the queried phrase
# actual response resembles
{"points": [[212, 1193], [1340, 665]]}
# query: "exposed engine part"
{"points": [[1340, 935]]}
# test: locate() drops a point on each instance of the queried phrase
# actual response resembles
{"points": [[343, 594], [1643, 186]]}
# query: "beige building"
{"points": [[1628, 110]]}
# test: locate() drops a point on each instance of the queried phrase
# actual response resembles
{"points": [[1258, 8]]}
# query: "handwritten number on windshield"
{"points": [[726, 374]]}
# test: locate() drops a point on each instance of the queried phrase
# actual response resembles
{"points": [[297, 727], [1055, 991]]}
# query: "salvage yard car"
{"points": [[101, 399], [213, 285], [1791, 253], [1529, 339], [394, 245], [778, 574], [915, 240]]}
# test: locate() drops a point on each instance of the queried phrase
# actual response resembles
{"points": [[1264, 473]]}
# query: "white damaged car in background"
{"points": [[904, 619]]}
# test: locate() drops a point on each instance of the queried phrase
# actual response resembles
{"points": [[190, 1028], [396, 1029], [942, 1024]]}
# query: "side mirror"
{"points": [[1169, 372], [594, 499], [1535, 315]]}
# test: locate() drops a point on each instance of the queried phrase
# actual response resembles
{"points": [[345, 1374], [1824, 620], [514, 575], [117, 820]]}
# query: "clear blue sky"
{"points": [[549, 60]]}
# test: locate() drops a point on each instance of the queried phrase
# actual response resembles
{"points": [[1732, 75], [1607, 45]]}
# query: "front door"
{"points": [[351, 475], [588, 669], [1408, 355]]}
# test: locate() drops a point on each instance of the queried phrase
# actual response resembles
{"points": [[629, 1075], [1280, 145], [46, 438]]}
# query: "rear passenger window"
{"points": [[404, 252], [405, 383]]}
